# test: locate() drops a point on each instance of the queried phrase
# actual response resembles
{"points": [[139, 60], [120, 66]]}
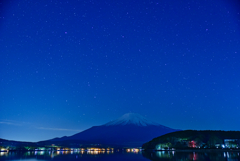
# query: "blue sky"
{"points": [[70, 65]]}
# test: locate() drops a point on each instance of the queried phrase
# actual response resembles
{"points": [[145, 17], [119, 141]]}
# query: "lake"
{"points": [[118, 156]]}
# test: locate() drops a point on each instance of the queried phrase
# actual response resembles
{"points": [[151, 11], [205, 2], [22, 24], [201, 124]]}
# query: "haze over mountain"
{"points": [[129, 130]]}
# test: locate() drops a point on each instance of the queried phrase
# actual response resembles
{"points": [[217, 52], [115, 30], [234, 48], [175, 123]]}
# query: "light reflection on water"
{"points": [[87, 155], [2, 153], [99, 155], [55, 153], [196, 156], [165, 154]]}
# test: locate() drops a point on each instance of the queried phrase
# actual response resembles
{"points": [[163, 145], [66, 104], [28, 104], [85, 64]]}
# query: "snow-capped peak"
{"points": [[132, 118]]}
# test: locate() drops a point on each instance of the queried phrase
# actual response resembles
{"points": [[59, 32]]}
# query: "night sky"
{"points": [[68, 65]]}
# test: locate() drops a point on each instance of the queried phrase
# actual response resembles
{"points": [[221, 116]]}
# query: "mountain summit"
{"points": [[130, 130], [131, 118]]}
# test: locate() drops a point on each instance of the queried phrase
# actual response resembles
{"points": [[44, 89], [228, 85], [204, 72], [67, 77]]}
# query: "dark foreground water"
{"points": [[119, 156]]}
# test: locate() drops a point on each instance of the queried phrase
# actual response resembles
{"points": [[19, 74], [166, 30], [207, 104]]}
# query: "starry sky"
{"points": [[68, 65]]}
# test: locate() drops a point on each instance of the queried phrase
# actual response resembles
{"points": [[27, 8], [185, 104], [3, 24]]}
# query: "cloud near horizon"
{"points": [[58, 129], [10, 123], [16, 123]]}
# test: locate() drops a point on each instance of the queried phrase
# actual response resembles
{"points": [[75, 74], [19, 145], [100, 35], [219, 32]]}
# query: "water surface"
{"points": [[118, 156]]}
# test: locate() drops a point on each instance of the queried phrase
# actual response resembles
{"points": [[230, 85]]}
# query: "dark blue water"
{"points": [[119, 156]]}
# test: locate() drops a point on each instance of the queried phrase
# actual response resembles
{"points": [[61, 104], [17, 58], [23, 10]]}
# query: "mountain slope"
{"points": [[129, 130], [131, 118]]}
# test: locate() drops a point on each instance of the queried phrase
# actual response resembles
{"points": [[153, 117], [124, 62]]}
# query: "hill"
{"points": [[195, 139]]}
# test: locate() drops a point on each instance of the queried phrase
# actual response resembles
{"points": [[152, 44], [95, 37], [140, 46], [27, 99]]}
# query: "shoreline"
{"points": [[197, 150], [210, 150]]}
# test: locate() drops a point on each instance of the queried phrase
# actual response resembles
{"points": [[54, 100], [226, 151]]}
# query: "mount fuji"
{"points": [[130, 130]]}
